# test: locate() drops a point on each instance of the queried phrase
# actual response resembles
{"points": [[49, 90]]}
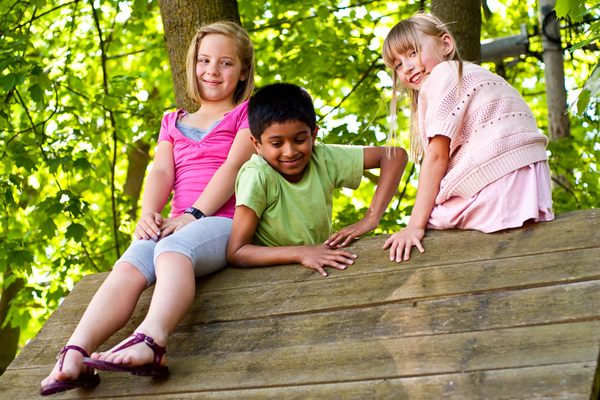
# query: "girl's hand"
{"points": [[148, 226], [316, 257], [403, 241], [172, 225], [346, 235]]}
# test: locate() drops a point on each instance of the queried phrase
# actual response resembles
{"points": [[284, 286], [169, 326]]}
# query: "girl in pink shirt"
{"points": [[197, 158], [484, 163]]}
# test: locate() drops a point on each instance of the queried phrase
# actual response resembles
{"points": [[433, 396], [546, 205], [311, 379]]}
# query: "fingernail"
{"points": [[154, 238], [146, 237], [158, 233]]}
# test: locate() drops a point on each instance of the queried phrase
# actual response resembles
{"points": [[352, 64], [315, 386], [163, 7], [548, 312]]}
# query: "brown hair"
{"points": [[244, 50], [403, 37]]}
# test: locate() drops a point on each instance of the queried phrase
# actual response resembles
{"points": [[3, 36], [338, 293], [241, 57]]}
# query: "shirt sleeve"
{"points": [[166, 127], [243, 119], [251, 188], [344, 165], [440, 107]]}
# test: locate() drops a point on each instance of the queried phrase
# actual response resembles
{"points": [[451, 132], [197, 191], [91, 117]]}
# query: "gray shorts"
{"points": [[203, 241]]}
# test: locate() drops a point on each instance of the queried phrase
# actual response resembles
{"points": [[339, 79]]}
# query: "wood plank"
{"points": [[565, 381], [376, 288], [569, 231], [537, 306], [376, 359]]}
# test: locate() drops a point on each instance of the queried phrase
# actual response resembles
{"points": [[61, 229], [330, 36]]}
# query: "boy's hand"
{"points": [[403, 241], [317, 257], [148, 226], [346, 235]]}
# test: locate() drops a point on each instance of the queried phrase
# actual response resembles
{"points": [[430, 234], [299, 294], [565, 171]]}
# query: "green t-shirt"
{"points": [[293, 214]]}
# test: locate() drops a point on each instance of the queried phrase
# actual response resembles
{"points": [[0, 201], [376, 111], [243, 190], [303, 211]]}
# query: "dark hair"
{"points": [[277, 104]]}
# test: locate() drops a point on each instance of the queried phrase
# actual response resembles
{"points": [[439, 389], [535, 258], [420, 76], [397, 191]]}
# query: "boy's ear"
{"points": [[447, 44], [255, 143], [314, 134]]}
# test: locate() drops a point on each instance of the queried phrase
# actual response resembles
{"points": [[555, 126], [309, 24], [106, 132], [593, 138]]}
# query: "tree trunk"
{"points": [[464, 19], [554, 72], [181, 18], [138, 162], [9, 337]]}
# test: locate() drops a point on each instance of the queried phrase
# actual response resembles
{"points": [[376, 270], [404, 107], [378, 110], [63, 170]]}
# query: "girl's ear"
{"points": [[447, 44], [244, 74]]}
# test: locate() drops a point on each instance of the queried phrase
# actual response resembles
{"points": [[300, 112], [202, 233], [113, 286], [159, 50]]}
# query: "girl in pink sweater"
{"points": [[197, 159], [484, 163]]}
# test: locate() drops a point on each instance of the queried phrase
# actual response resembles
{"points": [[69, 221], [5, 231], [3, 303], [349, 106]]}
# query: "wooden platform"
{"points": [[514, 314]]}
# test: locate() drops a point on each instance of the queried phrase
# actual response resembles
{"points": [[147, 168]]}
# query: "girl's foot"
{"points": [[72, 367], [69, 372], [140, 353]]}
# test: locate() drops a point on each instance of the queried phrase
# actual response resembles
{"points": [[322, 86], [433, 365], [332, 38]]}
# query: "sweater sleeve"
{"points": [[441, 109]]}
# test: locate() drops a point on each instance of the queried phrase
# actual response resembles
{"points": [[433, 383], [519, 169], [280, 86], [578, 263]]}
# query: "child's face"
{"points": [[412, 68], [218, 68], [287, 147]]}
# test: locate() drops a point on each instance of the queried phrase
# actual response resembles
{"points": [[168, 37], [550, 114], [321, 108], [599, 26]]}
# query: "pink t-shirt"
{"points": [[197, 161]]}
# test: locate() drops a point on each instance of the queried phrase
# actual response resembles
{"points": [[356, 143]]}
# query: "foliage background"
{"points": [[82, 81]]}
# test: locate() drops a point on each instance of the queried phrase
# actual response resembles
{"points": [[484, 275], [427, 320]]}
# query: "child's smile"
{"points": [[287, 148]]}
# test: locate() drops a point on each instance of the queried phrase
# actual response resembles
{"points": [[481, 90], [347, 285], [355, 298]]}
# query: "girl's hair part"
{"points": [[244, 51], [403, 37]]}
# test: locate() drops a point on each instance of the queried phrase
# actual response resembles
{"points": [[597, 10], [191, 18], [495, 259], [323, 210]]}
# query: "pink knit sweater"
{"points": [[491, 128]]}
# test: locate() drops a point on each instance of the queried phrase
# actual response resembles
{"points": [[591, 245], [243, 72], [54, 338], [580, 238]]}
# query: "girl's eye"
{"points": [[399, 65], [203, 60], [413, 53], [226, 63]]}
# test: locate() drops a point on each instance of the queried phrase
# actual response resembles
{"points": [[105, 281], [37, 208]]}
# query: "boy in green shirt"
{"points": [[284, 194]]}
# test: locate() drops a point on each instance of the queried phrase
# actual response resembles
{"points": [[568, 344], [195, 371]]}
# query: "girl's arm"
{"points": [[242, 253], [433, 169], [156, 192], [221, 185], [392, 168]]}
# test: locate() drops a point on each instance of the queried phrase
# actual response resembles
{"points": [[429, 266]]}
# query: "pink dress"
{"points": [[519, 196]]}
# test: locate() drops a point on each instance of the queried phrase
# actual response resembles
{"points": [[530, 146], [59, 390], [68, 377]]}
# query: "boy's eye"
{"points": [[301, 140]]}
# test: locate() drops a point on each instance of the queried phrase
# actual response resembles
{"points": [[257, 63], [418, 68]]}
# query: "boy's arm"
{"points": [[242, 253], [392, 168]]}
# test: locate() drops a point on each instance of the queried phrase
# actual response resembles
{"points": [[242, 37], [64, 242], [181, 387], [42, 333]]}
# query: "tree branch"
{"points": [[567, 189], [291, 22], [114, 135], [33, 18], [360, 81]]}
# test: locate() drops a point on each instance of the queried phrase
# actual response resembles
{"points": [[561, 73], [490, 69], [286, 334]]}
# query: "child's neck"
{"points": [[209, 113]]}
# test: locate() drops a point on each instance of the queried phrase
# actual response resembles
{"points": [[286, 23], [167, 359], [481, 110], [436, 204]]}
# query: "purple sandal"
{"points": [[89, 379], [153, 369]]}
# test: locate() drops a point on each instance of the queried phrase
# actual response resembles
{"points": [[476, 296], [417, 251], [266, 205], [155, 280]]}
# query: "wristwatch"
{"points": [[195, 212]]}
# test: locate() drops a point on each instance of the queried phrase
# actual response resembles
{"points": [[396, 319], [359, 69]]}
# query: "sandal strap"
{"points": [[61, 356], [159, 351]]}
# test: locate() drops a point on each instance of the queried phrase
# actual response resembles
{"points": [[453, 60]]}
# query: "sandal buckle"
{"points": [[149, 341]]}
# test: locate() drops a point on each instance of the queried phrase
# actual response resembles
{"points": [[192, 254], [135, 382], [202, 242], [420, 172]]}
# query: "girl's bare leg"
{"points": [[173, 296], [110, 309]]}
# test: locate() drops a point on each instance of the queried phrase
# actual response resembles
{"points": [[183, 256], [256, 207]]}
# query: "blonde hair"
{"points": [[244, 51], [403, 37]]}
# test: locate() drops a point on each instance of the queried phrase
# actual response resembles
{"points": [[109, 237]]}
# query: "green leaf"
{"points": [[48, 228], [582, 101], [37, 94], [19, 257], [75, 231], [593, 82], [25, 162]]}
